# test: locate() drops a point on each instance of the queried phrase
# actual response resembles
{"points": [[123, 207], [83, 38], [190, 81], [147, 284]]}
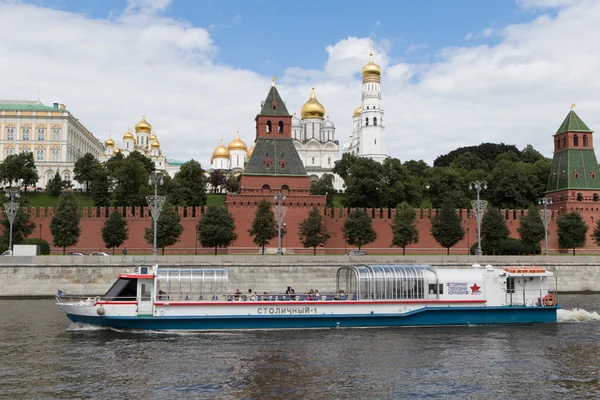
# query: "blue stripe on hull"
{"points": [[430, 316]]}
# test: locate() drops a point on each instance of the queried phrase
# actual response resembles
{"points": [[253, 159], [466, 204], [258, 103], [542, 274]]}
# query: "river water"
{"points": [[44, 356]]}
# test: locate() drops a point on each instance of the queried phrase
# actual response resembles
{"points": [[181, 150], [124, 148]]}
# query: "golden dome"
{"points": [[155, 144], [152, 137], [128, 135], [237, 143], [116, 150], [109, 142], [249, 153], [220, 152], [371, 69], [357, 111], [312, 108], [143, 126]]}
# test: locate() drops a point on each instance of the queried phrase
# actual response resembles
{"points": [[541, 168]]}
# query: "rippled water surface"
{"points": [[44, 356]]}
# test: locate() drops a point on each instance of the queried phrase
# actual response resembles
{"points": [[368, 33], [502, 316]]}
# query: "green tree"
{"points": [[17, 167], [55, 185], [190, 184], [217, 228], [132, 182], [572, 231], [312, 230], [218, 180], [101, 186], [358, 229], [404, 230], [22, 226], [399, 185], [264, 226], [493, 231], [446, 227], [324, 187], [365, 187], [146, 162], [531, 227], [168, 228], [29, 175], [85, 170], [115, 231], [596, 233], [64, 225]]}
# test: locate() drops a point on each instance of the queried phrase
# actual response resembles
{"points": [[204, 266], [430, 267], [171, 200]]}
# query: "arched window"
{"points": [[266, 189], [366, 121], [375, 121], [585, 141], [576, 174], [285, 188], [67, 177], [593, 174], [55, 134], [25, 133], [54, 155], [575, 140], [39, 155], [269, 127], [557, 144], [595, 197], [280, 127], [41, 134], [10, 134], [579, 197], [564, 142]]}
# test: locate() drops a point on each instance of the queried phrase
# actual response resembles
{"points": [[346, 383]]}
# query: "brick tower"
{"points": [[574, 182]]}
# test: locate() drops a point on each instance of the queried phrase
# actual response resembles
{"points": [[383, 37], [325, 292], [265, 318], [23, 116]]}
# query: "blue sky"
{"points": [[455, 73], [269, 36]]}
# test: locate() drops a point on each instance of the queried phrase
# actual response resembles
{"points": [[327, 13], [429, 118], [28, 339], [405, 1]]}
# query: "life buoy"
{"points": [[549, 300], [100, 311]]}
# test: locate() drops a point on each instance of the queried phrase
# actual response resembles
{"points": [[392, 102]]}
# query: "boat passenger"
{"points": [[237, 294], [162, 295], [292, 294], [316, 295]]}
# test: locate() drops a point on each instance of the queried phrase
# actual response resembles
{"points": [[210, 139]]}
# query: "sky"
{"points": [[455, 73]]}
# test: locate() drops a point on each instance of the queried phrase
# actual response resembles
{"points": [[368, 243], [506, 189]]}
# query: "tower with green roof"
{"points": [[574, 182]]}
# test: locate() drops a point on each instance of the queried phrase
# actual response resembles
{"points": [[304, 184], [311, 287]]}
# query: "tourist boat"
{"points": [[195, 299]]}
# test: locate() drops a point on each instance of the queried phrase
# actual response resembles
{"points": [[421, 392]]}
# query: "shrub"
{"points": [[509, 247]]}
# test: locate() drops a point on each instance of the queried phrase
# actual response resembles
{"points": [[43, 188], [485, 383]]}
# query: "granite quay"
{"points": [[41, 276]]}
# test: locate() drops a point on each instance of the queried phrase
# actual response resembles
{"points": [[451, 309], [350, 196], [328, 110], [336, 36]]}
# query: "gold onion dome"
{"points": [[312, 108], [116, 150], [128, 135], [221, 151], [357, 111], [109, 142], [250, 151], [152, 138], [143, 126], [237, 143], [371, 69], [155, 144]]}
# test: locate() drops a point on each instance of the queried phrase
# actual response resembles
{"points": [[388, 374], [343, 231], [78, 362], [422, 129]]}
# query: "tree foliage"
{"points": [[132, 181], [217, 228], [264, 226], [531, 227], [101, 186], [115, 231], [22, 225], [358, 229], [572, 231], [446, 227], [56, 185], [218, 180], [168, 228], [493, 231], [324, 187], [85, 169], [64, 225], [19, 167], [312, 230], [404, 229], [486, 152], [189, 185]]}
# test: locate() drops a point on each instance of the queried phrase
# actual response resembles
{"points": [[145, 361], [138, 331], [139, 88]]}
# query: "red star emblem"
{"points": [[475, 288]]}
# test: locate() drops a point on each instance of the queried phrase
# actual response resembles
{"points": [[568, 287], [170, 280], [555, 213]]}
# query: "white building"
{"points": [[146, 142], [54, 136], [366, 139], [314, 139]]}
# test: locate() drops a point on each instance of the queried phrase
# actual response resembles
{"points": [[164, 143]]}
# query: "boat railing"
{"points": [[231, 297], [531, 297]]}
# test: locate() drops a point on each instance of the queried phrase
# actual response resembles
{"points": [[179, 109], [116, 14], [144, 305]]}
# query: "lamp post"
{"points": [[197, 234], [479, 206], [11, 208], [279, 197], [155, 204], [545, 201]]}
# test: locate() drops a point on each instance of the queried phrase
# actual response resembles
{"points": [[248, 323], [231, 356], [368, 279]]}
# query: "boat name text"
{"points": [[285, 310]]}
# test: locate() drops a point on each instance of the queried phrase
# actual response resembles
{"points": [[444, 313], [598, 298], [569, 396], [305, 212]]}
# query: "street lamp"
{"points": [[479, 206], [155, 203], [545, 201], [279, 197], [11, 208]]}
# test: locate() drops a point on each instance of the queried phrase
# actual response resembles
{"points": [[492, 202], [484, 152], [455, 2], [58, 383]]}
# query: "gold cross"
{"points": [[573, 106], [274, 79]]}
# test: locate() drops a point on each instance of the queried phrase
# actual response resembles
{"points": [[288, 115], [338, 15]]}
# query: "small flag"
{"points": [[60, 293]]}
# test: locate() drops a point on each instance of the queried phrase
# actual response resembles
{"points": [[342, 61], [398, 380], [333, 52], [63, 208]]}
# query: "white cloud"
{"points": [[110, 72]]}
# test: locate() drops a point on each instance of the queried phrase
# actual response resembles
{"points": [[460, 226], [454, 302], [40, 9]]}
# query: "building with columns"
{"points": [[54, 136], [146, 142], [366, 138]]}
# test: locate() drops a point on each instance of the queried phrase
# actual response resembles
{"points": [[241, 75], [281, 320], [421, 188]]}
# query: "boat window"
{"points": [[510, 285], [123, 289], [191, 284], [436, 289]]}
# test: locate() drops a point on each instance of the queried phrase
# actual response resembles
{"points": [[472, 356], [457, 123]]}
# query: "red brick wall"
{"points": [[93, 219]]}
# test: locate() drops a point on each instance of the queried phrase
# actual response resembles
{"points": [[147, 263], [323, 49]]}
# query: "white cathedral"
{"points": [[366, 138]]}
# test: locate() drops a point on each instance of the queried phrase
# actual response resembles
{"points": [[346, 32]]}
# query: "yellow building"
{"points": [[54, 136]]}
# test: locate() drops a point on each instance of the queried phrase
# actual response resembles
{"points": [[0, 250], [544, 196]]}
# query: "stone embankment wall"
{"points": [[42, 276]]}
